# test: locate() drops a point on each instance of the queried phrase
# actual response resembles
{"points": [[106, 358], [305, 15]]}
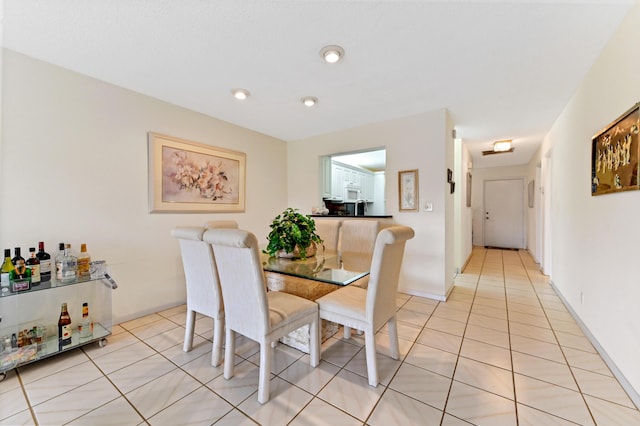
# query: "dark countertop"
{"points": [[386, 216]]}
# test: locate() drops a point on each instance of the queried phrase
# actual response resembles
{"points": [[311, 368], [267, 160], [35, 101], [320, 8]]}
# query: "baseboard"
{"points": [[125, 318], [633, 394], [437, 297]]}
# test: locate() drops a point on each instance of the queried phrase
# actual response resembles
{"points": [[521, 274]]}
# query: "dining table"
{"points": [[312, 278]]}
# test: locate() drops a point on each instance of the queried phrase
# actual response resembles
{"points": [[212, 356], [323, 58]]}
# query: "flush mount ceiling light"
{"points": [[332, 54], [309, 101], [500, 147], [240, 94]]}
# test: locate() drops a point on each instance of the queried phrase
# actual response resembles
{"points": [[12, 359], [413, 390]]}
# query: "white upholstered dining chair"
{"points": [[203, 287], [329, 231], [358, 235], [250, 310], [371, 308]]}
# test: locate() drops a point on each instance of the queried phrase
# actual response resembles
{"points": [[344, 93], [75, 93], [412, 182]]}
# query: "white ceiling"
{"points": [[504, 68]]}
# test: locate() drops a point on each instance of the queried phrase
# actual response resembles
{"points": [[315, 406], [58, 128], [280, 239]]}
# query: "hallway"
{"points": [[503, 350]]}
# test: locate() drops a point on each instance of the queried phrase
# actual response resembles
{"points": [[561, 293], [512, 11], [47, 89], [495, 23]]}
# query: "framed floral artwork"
{"points": [[190, 177], [408, 190]]}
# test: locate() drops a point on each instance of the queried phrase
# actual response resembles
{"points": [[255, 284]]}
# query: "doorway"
{"points": [[504, 213]]}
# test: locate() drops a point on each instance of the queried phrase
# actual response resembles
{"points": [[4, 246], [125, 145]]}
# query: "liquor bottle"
{"points": [[45, 263], [20, 271], [5, 270], [33, 264], [85, 328], [18, 257], [64, 327], [84, 262], [58, 260], [68, 266]]}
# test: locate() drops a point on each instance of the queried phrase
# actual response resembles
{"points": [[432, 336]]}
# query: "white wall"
{"points": [[463, 215], [480, 175], [73, 167], [595, 239], [416, 142]]}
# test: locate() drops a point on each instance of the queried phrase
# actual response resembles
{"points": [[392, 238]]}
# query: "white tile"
{"points": [[176, 355], [167, 339], [439, 340], [285, 401], [149, 330], [528, 416], [61, 382], [555, 400], [386, 366], [488, 354], [115, 343], [422, 385], [306, 377], [243, 383], [352, 394], [432, 359], [557, 373], [485, 376], [48, 366], [537, 348], [338, 351], [235, 418], [123, 357], [412, 317], [447, 325], [154, 396], [75, 403], [141, 373], [138, 322], [586, 361], [13, 402], [608, 413], [319, 413], [603, 387], [115, 413], [283, 357], [480, 407], [202, 370], [201, 407], [397, 409], [487, 335]]}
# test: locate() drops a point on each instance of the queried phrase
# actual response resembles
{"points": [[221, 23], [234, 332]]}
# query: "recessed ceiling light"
{"points": [[240, 94], [332, 54], [309, 101]]}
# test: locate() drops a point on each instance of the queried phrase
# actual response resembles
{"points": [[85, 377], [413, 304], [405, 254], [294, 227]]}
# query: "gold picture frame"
{"points": [[615, 154], [191, 177], [408, 190]]}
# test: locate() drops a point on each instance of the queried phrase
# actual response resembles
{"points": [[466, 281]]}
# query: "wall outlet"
{"points": [[428, 207]]}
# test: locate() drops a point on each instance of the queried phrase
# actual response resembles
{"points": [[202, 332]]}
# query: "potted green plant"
{"points": [[293, 235]]}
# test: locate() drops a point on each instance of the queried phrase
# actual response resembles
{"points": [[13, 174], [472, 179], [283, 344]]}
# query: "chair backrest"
{"points": [[385, 271], [242, 281], [329, 231], [226, 224], [201, 274], [358, 235]]}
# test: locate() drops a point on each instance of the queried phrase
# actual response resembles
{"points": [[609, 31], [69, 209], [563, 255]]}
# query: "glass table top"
{"points": [[328, 266]]}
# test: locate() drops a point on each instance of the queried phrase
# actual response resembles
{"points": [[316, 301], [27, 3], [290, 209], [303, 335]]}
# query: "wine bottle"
{"points": [[64, 327], [5, 270], [18, 257], [45, 263], [33, 264], [84, 262], [85, 328]]}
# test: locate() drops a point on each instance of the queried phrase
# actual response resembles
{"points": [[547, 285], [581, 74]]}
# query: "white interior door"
{"points": [[504, 213]]}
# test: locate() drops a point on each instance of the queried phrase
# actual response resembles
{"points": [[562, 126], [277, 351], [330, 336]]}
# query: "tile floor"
{"points": [[502, 350]]}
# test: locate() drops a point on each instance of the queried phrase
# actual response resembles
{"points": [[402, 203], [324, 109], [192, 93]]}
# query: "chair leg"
{"points": [[189, 329], [393, 338], [216, 349], [266, 355], [370, 352], [347, 332], [229, 352], [314, 342]]}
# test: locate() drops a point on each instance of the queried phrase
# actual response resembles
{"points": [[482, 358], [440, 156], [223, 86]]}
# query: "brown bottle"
{"points": [[64, 327]]}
